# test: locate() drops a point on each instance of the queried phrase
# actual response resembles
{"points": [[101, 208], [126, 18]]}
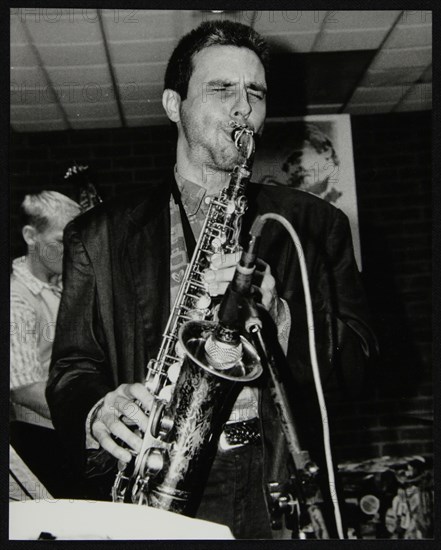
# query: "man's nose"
{"points": [[242, 106]]}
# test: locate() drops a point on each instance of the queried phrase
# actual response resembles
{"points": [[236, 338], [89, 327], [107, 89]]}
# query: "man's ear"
{"points": [[29, 232], [171, 101]]}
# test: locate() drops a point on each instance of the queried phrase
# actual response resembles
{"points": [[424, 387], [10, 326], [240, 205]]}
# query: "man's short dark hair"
{"points": [[210, 33]]}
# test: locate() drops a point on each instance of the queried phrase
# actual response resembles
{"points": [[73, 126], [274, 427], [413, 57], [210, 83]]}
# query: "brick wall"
{"points": [[392, 163], [393, 172]]}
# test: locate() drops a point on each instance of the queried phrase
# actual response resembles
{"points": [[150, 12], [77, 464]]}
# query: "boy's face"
{"points": [[49, 247]]}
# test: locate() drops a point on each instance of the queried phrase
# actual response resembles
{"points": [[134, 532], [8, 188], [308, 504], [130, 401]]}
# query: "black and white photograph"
{"points": [[220, 275]]}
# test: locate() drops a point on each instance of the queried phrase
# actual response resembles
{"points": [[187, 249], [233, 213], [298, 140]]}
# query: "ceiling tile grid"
{"points": [[85, 68]]}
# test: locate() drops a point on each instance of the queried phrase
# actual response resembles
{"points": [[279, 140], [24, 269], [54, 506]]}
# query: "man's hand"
{"points": [[108, 422], [221, 271]]}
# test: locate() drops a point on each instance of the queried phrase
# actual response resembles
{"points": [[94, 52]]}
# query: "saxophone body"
{"points": [[193, 391]]}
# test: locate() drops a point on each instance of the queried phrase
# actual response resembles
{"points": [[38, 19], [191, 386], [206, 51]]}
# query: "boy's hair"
{"points": [[210, 33], [42, 209]]}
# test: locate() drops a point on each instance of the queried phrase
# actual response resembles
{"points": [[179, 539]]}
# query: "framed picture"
{"points": [[313, 154]]}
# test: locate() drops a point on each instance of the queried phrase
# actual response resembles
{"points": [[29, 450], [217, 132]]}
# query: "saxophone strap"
{"points": [[190, 241]]}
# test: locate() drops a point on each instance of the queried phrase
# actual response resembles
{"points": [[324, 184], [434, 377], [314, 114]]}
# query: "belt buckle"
{"points": [[225, 446]]}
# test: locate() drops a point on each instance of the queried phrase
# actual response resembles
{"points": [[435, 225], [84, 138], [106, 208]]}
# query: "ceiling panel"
{"points": [[427, 75], [79, 75], [391, 94], [143, 107], [405, 36], [390, 58], [278, 21], [80, 29], [145, 24], [141, 51], [361, 19], [33, 76], [69, 55], [78, 92], [411, 18], [370, 108], [22, 113], [396, 76], [18, 35], [100, 109], [22, 55], [419, 92], [136, 91], [341, 40], [140, 72], [23, 92], [414, 106], [292, 42]]}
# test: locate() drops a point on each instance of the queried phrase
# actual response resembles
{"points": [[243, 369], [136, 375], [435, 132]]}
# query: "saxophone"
{"points": [[193, 388]]}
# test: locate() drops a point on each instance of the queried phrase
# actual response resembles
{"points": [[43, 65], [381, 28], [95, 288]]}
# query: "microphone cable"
{"points": [[255, 232]]}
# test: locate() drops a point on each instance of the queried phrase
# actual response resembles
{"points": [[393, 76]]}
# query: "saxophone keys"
{"points": [[203, 302], [231, 207], [166, 393], [179, 350], [154, 461], [217, 242], [173, 371]]}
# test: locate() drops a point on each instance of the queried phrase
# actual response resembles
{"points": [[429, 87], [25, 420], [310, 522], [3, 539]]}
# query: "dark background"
{"points": [[393, 176]]}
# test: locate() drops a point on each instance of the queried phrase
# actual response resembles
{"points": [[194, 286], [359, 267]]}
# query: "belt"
{"points": [[237, 434]]}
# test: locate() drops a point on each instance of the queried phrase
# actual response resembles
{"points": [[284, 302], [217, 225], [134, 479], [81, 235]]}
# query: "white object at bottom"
{"points": [[92, 520]]}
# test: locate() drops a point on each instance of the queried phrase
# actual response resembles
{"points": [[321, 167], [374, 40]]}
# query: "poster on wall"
{"points": [[313, 154]]}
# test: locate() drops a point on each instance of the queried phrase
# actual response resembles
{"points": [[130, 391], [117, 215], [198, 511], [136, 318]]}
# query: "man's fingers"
{"points": [[268, 283], [123, 402], [127, 408], [129, 437], [220, 261], [120, 409], [216, 289], [102, 435], [219, 275], [142, 394]]}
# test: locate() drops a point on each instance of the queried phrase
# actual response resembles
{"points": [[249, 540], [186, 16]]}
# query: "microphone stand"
{"points": [[297, 498]]}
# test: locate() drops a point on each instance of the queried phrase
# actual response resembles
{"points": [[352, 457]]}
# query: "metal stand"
{"points": [[297, 499]]}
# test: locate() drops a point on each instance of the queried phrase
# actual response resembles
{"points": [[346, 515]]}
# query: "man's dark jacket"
{"points": [[115, 302]]}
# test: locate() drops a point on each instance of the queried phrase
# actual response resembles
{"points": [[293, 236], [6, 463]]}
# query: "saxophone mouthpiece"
{"points": [[243, 137]]}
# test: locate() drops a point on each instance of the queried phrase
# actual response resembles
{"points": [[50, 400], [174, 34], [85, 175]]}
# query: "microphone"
{"points": [[223, 347], [234, 304]]}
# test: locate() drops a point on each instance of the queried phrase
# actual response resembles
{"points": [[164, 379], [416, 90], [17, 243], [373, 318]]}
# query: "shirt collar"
{"points": [[20, 269], [192, 194]]}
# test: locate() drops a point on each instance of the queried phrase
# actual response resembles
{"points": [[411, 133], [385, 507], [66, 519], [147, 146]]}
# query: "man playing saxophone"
{"points": [[124, 263]]}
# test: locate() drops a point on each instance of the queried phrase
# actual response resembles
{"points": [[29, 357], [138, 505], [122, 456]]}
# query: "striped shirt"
{"points": [[34, 308]]}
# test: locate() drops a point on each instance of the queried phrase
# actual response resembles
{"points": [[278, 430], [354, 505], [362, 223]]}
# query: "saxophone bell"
{"points": [[200, 405]]}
